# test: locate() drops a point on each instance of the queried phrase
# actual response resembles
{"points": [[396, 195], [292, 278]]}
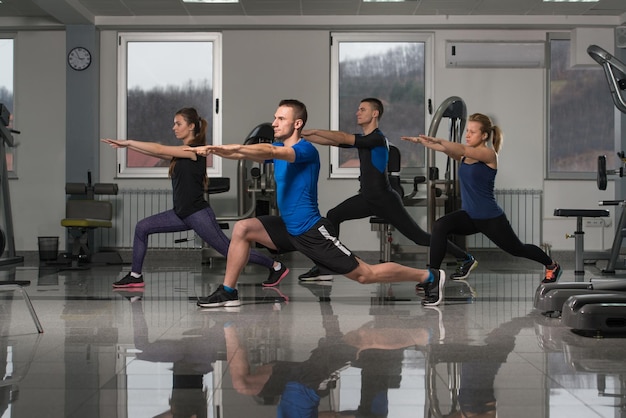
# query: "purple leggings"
{"points": [[203, 222]]}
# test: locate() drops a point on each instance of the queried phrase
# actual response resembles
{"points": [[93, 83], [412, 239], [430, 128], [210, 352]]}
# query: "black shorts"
{"points": [[319, 243]]}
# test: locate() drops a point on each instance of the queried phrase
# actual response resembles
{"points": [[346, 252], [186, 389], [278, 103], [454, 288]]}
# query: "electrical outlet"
{"points": [[594, 223]]}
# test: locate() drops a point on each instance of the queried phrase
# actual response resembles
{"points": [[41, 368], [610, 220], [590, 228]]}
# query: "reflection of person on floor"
{"points": [[191, 357], [5, 389], [301, 385], [479, 366]]}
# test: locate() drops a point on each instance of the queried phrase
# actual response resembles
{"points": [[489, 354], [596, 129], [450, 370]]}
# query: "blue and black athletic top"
{"points": [[373, 150]]}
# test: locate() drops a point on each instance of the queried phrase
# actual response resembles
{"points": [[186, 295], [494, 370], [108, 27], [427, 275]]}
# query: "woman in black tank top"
{"points": [[190, 209]]}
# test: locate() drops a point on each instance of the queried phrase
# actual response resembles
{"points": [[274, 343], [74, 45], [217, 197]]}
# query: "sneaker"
{"points": [[314, 275], [463, 271], [220, 298], [433, 293], [275, 277], [552, 275], [129, 281]]}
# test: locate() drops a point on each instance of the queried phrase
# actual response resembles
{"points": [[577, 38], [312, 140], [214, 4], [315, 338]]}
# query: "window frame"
{"points": [[12, 151], [122, 94], [336, 172], [569, 175]]}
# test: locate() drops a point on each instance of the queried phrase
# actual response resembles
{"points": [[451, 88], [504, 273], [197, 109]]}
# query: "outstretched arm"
{"points": [[436, 144], [456, 150], [254, 152], [325, 137], [152, 149]]}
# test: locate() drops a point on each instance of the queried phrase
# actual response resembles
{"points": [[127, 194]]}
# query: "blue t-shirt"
{"points": [[477, 190], [296, 188]]}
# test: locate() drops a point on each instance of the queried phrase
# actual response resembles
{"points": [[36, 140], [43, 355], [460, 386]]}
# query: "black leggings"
{"points": [[388, 206], [496, 229]]}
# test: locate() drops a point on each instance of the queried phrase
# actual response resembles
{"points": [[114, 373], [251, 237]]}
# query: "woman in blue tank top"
{"points": [[479, 210]]}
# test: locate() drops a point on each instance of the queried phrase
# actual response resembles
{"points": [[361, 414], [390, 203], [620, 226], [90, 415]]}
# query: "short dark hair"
{"points": [[376, 104], [299, 109]]}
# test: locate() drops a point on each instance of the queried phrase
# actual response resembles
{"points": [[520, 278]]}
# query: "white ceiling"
{"points": [[63, 12]]}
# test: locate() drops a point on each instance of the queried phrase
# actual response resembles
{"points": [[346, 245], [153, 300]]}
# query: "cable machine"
{"points": [[445, 192]]}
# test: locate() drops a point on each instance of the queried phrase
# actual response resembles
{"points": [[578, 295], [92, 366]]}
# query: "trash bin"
{"points": [[48, 248]]}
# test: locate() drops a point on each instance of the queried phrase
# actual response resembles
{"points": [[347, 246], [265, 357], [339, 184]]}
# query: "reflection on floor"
{"points": [[337, 347]]}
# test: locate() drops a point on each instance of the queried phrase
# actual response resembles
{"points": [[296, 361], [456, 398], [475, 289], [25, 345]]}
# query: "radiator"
{"points": [[132, 205], [523, 208]]}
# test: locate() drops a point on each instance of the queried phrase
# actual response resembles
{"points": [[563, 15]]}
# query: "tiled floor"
{"points": [[372, 349]]}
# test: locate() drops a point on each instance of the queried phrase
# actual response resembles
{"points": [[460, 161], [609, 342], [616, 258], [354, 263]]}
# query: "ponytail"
{"points": [[486, 126]]}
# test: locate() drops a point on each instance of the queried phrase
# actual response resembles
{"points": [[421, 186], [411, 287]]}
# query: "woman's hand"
{"points": [[422, 139], [116, 143], [203, 150]]}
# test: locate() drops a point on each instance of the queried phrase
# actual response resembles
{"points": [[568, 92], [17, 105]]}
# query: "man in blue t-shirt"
{"points": [[300, 227]]}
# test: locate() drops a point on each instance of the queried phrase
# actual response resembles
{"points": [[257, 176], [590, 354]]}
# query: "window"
{"points": [[6, 93], [391, 67], [160, 73], [581, 117]]}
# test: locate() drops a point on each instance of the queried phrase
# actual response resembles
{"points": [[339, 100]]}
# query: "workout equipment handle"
{"points": [[611, 202]]}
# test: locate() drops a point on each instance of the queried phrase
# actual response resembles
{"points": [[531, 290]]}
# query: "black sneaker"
{"points": [[314, 275], [129, 281], [553, 274], [220, 297], [433, 293], [275, 277], [463, 271]]}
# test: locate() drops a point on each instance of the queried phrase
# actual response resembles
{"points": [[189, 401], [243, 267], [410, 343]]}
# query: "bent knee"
{"points": [[246, 228]]}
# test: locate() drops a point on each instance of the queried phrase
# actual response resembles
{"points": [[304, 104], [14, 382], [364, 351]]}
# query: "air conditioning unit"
{"points": [[495, 54], [620, 36]]}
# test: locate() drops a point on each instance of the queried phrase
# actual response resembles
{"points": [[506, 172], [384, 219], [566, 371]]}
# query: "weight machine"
{"points": [[599, 306], [615, 72], [6, 239], [445, 192]]}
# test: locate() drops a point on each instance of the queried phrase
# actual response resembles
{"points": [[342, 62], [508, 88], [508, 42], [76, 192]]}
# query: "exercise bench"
{"points": [[579, 234], [83, 215]]}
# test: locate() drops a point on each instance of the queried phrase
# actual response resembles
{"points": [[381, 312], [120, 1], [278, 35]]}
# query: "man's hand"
{"points": [[228, 150]]}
